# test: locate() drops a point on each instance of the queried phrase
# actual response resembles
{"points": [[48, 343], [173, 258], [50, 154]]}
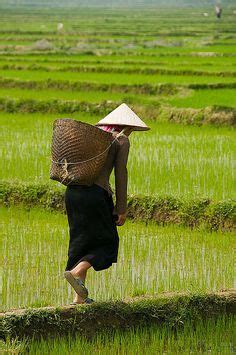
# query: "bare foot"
{"points": [[78, 299], [74, 274]]}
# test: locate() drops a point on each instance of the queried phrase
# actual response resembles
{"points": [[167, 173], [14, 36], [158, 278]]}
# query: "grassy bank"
{"points": [[116, 78], [218, 115], [164, 210], [101, 68], [174, 310]]}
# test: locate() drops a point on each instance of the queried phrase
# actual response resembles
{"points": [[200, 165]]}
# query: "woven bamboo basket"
{"points": [[79, 151]]}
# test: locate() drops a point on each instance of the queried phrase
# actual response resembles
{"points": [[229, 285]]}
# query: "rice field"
{"points": [[190, 99], [94, 96], [160, 59], [189, 60], [152, 259], [171, 159], [205, 98], [115, 78], [214, 336]]}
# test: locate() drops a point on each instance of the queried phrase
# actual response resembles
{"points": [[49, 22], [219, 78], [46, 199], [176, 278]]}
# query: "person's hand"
{"points": [[121, 219]]}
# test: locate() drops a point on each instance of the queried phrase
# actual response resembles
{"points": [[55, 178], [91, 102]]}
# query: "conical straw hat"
{"points": [[123, 116]]}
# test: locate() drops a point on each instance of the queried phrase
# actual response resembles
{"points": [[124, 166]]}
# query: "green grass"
{"points": [[151, 259], [185, 99], [204, 98], [112, 62], [209, 63], [214, 336], [171, 159], [88, 96], [116, 78], [201, 213]]}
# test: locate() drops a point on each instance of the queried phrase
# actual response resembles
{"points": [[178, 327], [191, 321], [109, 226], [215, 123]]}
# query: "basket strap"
{"points": [[84, 161]]}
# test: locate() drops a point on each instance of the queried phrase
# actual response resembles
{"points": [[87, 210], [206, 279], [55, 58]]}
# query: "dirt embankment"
{"points": [[215, 115], [170, 308], [164, 210]]}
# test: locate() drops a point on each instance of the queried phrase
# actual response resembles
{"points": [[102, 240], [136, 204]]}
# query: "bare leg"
{"points": [[80, 271]]}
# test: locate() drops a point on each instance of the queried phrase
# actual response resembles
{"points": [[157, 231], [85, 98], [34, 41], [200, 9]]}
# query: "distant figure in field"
{"points": [[60, 27], [218, 11]]}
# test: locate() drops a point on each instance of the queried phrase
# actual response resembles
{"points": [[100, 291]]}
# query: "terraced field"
{"points": [[177, 69]]}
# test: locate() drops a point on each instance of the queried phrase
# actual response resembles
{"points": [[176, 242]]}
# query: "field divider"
{"points": [[150, 89], [88, 319], [201, 213], [96, 60], [214, 115], [117, 69], [93, 53]]}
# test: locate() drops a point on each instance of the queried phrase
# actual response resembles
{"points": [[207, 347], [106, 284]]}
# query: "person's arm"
{"points": [[121, 178]]}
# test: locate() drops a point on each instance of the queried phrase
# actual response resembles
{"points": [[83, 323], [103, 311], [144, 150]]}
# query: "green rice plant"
{"points": [[64, 85], [103, 68], [190, 98], [183, 61], [182, 161], [143, 58], [215, 63], [201, 213], [13, 346], [215, 336], [88, 96], [204, 98], [151, 259], [116, 78]]}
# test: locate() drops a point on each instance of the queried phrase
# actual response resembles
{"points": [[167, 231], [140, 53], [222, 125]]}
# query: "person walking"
{"points": [[218, 10], [92, 216]]}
